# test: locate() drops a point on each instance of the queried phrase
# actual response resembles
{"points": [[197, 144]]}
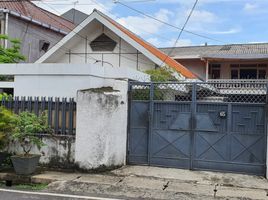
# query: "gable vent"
{"points": [[103, 43]]}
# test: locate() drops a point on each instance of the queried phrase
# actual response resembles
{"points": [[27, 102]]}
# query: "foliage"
{"points": [[11, 54], [27, 125], [162, 74], [144, 94], [4, 96], [7, 120]]}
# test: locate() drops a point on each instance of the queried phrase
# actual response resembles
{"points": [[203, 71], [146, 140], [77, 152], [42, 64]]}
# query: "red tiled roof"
{"points": [[28, 9], [159, 54]]}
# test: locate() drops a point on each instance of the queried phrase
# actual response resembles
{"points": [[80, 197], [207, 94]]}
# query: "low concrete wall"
{"points": [[101, 131], [57, 152], [63, 80]]}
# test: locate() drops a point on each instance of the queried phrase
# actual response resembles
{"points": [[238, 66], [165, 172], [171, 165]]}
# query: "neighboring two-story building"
{"points": [[38, 29], [234, 61]]}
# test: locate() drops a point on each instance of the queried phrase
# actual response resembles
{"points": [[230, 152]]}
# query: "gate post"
{"points": [[266, 131], [193, 124], [150, 115]]}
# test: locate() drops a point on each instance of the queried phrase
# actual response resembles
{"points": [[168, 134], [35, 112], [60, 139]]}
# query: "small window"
{"points": [[215, 71], [44, 45], [103, 43], [234, 74], [262, 74], [248, 73]]}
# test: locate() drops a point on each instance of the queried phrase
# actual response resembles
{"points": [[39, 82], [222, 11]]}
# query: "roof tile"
{"points": [[28, 9]]}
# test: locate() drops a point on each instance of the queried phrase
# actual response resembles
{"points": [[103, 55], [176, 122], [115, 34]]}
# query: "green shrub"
{"points": [[27, 125], [7, 126], [162, 74]]}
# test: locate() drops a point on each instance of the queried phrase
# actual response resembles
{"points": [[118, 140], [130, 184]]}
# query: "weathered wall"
{"points": [[101, 130], [30, 35], [57, 152]]}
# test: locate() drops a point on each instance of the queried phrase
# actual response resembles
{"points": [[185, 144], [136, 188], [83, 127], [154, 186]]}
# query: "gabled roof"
{"points": [[27, 9], [144, 47], [232, 51]]}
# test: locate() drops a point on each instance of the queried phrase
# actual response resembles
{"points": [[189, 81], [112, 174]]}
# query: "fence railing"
{"points": [[61, 112], [238, 92]]}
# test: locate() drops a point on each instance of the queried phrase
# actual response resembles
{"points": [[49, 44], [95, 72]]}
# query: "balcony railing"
{"points": [[238, 83]]}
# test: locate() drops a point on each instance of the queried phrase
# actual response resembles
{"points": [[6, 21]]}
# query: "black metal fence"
{"points": [[61, 112]]}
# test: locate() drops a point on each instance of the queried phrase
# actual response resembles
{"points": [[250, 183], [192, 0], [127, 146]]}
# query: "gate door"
{"points": [[171, 135], [220, 126]]}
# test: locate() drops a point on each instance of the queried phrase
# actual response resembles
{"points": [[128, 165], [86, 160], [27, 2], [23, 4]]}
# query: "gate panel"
{"points": [[138, 133], [211, 138], [248, 138], [170, 140]]}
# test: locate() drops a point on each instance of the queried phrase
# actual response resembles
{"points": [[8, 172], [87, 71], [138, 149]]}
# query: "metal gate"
{"points": [[214, 126]]}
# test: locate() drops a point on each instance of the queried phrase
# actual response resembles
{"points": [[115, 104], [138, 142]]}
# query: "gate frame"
{"points": [[193, 119]]}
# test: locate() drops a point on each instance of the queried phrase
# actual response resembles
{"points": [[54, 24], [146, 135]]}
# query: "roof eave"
{"points": [[36, 22]]}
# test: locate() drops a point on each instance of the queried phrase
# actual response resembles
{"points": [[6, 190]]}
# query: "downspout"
{"points": [[6, 29]]}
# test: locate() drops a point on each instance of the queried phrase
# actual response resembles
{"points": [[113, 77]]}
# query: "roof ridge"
{"points": [[218, 45]]}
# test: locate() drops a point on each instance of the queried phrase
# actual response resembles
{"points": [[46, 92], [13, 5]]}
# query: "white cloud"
{"points": [[59, 7], [160, 43], [230, 31], [200, 20], [145, 26], [250, 7], [180, 43]]}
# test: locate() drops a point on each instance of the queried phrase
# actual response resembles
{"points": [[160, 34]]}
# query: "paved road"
{"points": [[26, 195]]}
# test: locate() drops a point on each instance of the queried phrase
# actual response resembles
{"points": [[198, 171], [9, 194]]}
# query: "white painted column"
{"points": [[101, 130], [207, 68]]}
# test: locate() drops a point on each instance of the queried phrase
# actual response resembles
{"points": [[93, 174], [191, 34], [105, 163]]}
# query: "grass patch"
{"points": [[34, 187]]}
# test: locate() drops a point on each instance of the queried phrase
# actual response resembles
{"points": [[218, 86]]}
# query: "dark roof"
{"points": [[239, 51], [75, 16], [28, 9]]}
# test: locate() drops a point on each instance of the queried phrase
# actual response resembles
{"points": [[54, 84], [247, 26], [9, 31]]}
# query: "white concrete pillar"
{"points": [[101, 131]]}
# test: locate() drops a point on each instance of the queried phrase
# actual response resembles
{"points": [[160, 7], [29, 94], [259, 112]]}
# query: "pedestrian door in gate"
{"points": [[192, 130]]}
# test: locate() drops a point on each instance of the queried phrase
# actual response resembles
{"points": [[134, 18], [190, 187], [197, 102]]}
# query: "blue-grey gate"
{"points": [[214, 126]]}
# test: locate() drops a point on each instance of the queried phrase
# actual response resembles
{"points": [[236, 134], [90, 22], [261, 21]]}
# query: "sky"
{"points": [[219, 21]]}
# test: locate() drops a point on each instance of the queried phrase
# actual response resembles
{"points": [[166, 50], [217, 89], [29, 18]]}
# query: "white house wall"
{"points": [[126, 56]]}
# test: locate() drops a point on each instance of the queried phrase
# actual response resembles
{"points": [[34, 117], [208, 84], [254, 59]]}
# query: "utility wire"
{"points": [[184, 25], [166, 23]]}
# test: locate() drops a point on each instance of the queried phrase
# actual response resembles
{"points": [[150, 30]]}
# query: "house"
{"points": [[37, 28], [234, 61], [74, 16], [101, 40]]}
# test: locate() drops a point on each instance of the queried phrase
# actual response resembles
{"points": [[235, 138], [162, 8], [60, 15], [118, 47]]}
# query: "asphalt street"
{"points": [[26, 195]]}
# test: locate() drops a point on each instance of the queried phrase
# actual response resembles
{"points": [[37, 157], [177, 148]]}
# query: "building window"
{"points": [[234, 74], [262, 74], [44, 45], [103, 43], [248, 71], [215, 71]]}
